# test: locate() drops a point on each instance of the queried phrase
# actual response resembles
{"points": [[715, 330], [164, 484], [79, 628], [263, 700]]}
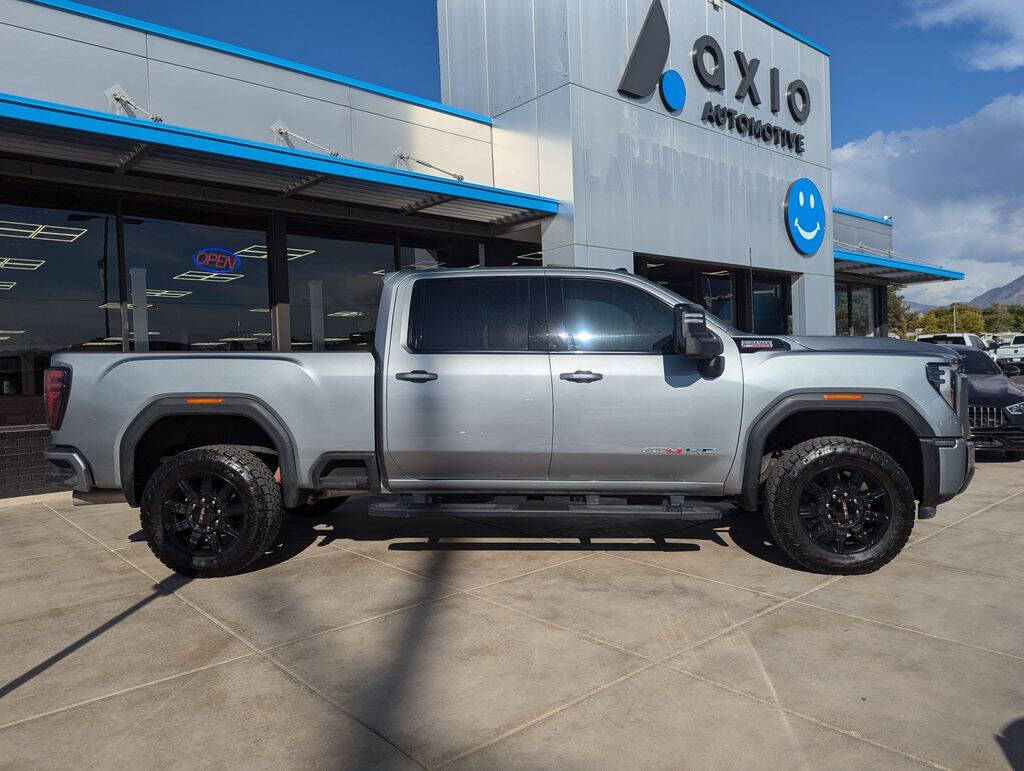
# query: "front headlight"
{"points": [[1016, 409], [942, 376]]}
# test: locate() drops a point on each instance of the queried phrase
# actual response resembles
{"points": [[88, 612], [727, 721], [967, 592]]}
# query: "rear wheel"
{"points": [[211, 511], [838, 505]]}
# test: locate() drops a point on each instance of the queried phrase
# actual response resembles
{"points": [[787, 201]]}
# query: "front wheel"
{"points": [[839, 505], [211, 511]]}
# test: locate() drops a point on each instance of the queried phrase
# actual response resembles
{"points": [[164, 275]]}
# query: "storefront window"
{"points": [[58, 291], [863, 305], [419, 252], [334, 280], [842, 309], [769, 305], [718, 292], [205, 284]]}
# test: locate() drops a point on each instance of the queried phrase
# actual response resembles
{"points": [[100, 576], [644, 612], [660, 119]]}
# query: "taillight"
{"points": [[56, 386]]}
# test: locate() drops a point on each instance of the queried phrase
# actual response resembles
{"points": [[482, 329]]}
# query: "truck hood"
{"points": [[879, 345]]}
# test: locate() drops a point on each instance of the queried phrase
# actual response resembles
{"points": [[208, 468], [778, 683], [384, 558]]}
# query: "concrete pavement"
{"points": [[403, 643]]}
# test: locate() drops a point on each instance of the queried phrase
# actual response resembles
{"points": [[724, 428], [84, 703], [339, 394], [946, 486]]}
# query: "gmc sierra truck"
{"points": [[523, 392]]}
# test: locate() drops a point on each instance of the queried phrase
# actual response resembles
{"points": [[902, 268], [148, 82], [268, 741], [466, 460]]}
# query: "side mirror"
{"points": [[1010, 370], [691, 335]]}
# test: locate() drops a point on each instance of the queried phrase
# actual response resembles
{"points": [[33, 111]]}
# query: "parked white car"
{"points": [[958, 338], [1011, 352]]}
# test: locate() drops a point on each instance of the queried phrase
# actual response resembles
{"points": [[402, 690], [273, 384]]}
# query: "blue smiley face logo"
{"points": [[805, 216]]}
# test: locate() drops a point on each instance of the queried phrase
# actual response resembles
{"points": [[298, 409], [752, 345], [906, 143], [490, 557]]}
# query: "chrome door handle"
{"points": [[416, 376], [581, 376]]}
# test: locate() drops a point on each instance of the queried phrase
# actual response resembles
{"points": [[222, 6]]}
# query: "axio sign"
{"points": [[644, 72]]}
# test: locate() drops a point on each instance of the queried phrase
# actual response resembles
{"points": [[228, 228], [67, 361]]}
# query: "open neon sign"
{"points": [[216, 260]]}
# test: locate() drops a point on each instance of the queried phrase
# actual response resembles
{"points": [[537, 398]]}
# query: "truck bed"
{"points": [[326, 398]]}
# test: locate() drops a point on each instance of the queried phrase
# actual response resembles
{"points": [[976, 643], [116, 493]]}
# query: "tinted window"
{"points": [[335, 279], [978, 362], [612, 316], [470, 314]]}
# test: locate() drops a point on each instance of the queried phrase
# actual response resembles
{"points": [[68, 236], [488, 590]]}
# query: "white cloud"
{"points": [[955, 192], [1002, 20]]}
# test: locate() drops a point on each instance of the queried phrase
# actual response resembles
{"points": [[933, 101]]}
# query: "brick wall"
{"points": [[22, 467]]}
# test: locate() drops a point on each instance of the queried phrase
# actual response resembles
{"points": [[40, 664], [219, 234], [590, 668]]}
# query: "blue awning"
{"points": [[892, 269], [45, 130]]}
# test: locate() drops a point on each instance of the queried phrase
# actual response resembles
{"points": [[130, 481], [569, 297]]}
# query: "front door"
{"points": [[627, 407], [467, 381]]}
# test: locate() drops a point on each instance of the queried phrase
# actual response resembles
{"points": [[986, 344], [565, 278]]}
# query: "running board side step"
{"points": [[687, 512]]}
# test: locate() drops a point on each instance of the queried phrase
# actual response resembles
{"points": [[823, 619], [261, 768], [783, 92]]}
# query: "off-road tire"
{"points": [[256, 489], [789, 474]]}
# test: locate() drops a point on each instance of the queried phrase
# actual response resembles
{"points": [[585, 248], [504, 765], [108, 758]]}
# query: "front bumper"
{"points": [[947, 469], [68, 468], [1007, 439]]}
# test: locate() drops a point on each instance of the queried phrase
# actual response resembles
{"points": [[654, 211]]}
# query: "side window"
{"points": [[470, 314], [614, 317]]}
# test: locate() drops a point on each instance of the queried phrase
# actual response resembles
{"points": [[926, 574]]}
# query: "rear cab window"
{"points": [[491, 314]]}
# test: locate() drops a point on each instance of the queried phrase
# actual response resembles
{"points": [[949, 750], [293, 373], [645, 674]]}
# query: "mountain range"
{"points": [[1008, 294]]}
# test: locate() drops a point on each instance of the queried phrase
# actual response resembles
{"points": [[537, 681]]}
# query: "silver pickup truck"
{"points": [[523, 392]]}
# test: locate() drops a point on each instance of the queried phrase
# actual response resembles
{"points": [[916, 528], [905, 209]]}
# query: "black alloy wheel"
{"points": [[203, 513], [845, 508], [211, 511], [838, 505]]}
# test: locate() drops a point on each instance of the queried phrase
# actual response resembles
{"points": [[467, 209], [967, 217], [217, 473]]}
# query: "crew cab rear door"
{"points": [[467, 383], [629, 410]]}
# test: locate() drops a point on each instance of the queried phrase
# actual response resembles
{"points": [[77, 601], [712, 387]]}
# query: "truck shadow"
{"points": [[350, 521], [1011, 742]]}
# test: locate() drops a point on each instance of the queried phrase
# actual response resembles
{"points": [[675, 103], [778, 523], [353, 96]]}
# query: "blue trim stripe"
{"points": [[256, 56], [888, 262], [780, 27], [861, 215], [80, 119]]}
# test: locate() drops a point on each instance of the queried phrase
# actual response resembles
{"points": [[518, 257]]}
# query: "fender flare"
{"points": [[793, 403], [237, 404]]}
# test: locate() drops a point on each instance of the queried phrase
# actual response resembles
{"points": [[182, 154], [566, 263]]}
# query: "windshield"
{"points": [[977, 362]]}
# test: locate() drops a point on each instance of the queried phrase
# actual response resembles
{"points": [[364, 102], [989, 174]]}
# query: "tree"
{"points": [[998, 318], [902, 320], [968, 319]]}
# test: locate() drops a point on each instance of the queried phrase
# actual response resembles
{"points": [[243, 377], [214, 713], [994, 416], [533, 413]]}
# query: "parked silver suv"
{"points": [[528, 391]]}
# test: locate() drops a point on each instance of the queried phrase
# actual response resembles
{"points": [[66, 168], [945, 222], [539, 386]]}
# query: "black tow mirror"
{"points": [[1010, 370], [691, 335]]}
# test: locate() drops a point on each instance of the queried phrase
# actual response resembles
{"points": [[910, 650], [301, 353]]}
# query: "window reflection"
{"points": [[58, 291], [205, 285], [335, 284], [717, 288]]}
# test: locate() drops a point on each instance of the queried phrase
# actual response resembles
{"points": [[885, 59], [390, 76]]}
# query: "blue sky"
{"points": [[943, 75]]}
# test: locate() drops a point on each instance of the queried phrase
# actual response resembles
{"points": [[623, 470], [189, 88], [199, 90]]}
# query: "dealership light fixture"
{"points": [[112, 306], [6, 286], [40, 232], [259, 252], [18, 263], [238, 340], [12, 331], [259, 310], [2, 337], [171, 294], [99, 342], [200, 275], [347, 314]]}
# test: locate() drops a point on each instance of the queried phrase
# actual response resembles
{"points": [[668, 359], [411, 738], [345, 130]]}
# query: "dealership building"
{"points": [[163, 191]]}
